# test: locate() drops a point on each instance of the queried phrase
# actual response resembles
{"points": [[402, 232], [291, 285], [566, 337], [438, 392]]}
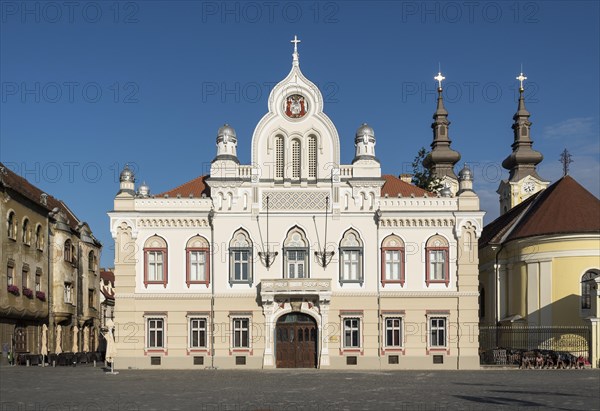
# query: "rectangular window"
{"points": [[241, 265], [197, 266], [156, 328], [241, 333], [351, 265], [279, 157], [437, 330], [312, 157], [296, 260], [68, 294], [197, 332], [437, 265], [38, 281], [393, 332], [351, 333], [10, 272], [91, 298], [25, 278], [393, 265], [155, 266]]}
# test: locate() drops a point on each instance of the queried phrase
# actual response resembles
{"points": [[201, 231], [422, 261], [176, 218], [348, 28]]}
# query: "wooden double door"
{"points": [[296, 341]]}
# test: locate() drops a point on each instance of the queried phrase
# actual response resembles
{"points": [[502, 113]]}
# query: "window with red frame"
{"points": [[392, 260], [155, 261], [198, 261], [437, 261]]}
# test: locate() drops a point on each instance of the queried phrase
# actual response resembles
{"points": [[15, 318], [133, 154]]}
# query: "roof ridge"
{"points": [[181, 185]]}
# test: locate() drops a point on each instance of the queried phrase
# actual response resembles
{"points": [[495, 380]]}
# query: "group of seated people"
{"points": [[551, 359], [65, 358]]}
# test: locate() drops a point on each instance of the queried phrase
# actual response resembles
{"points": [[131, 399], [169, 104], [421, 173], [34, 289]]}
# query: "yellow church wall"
{"points": [[566, 289]]}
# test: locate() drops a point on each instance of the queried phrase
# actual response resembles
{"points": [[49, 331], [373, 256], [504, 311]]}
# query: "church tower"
{"points": [[441, 160], [523, 180]]}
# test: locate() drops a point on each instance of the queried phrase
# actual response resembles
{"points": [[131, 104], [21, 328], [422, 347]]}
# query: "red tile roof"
{"points": [[394, 186], [195, 187], [563, 208], [19, 184]]}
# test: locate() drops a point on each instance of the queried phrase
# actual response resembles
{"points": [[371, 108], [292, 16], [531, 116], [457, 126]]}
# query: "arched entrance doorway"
{"points": [[296, 341]]}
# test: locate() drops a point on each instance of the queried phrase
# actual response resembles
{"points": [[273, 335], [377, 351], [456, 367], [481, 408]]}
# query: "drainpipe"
{"points": [[378, 280], [497, 248], [51, 329], [211, 216]]}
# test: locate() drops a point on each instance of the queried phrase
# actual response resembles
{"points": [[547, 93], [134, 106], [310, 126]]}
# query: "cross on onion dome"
{"points": [[439, 79]]}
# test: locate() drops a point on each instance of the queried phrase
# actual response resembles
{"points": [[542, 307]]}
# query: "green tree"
{"points": [[422, 176]]}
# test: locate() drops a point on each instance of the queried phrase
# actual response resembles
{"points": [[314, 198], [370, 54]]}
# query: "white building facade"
{"points": [[297, 260]]}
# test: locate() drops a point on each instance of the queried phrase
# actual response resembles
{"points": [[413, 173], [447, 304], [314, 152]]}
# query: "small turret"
{"points": [[465, 180], [226, 144], [364, 143], [126, 181], [143, 190]]}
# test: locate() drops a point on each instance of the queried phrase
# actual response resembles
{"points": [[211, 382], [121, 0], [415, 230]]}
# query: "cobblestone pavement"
{"points": [[88, 388]]}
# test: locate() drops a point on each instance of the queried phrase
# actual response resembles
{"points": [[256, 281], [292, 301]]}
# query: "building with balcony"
{"points": [[298, 260], [49, 272]]}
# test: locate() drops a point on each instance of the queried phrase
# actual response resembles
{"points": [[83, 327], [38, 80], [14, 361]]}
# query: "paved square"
{"points": [[87, 388]]}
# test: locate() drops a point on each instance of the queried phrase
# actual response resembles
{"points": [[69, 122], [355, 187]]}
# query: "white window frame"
{"points": [[430, 329], [400, 328], [296, 263], [191, 319], [147, 330], [240, 317], [349, 316]]}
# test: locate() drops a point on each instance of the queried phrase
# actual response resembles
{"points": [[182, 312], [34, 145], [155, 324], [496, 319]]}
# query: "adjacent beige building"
{"points": [[298, 260], [49, 272]]}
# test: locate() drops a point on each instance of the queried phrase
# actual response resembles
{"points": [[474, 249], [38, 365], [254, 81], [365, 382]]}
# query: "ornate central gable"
{"points": [[295, 140]]}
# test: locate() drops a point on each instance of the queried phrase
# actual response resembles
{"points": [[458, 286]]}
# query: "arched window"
{"points": [[587, 285], [68, 251], [296, 164], [351, 258], [12, 226], [295, 252], [155, 261], [279, 157], [198, 261], [437, 261], [39, 238], [91, 261], [25, 234], [240, 258], [312, 157], [392, 260]]}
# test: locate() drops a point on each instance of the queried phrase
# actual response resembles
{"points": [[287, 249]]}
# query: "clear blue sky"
{"points": [[89, 86]]}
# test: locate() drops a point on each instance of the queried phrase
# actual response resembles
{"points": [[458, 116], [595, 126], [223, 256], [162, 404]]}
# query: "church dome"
{"points": [[226, 131], [446, 192], [363, 130], [144, 190], [465, 174], [127, 174]]}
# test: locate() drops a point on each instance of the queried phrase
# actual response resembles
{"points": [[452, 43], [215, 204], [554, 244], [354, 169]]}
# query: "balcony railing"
{"points": [[296, 285]]}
